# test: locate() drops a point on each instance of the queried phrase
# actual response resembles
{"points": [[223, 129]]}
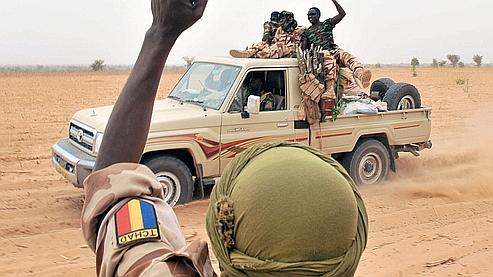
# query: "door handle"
{"points": [[282, 125]]}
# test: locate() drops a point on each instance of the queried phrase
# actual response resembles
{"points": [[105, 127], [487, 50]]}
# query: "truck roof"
{"points": [[286, 62]]}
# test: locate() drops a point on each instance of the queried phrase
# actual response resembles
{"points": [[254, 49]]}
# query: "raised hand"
{"points": [[126, 133], [176, 15]]}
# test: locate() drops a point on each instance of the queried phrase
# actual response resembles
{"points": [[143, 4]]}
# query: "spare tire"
{"points": [[382, 85], [402, 96]]}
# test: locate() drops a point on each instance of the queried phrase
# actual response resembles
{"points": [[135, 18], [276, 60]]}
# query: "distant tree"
{"points": [[461, 64], [442, 63], [454, 59], [434, 64], [378, 65], [98, 65], [188, 61], [478, 60], [414, 64]]}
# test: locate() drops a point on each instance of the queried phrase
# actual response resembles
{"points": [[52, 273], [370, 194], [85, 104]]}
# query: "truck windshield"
{"points": [[206, 84]]}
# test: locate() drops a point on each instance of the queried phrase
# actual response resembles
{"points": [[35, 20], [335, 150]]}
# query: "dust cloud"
{"points": [[458, 167]]}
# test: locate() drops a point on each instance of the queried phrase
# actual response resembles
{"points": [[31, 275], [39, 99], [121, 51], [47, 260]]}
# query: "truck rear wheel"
{"points": [[369, 163], [174, 176], [382, 85], [402, 96]]}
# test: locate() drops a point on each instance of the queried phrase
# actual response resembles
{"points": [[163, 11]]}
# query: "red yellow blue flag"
{"points": [[136, 221]]}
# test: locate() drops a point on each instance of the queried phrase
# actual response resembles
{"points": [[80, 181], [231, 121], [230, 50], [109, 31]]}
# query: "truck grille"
{"points": [[82, 136]]}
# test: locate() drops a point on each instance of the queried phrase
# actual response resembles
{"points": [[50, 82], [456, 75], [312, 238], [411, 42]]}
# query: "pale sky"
{"points": [[386, 31]]}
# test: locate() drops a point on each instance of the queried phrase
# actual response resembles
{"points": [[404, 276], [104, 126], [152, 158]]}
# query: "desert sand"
{"points": [[434, 217]]}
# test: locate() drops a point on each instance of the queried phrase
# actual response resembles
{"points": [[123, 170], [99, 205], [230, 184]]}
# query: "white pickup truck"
{"points": [[200, 127]]}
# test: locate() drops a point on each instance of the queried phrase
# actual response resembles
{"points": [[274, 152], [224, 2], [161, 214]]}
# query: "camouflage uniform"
{"points": [[124, 208], [322, 36], [333, 59], [283, 46], [270, 28], [267, 102], [347, 83]]}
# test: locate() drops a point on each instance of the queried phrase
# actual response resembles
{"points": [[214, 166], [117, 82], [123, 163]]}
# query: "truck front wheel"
{"points": [[174, 176], [369, 163]]}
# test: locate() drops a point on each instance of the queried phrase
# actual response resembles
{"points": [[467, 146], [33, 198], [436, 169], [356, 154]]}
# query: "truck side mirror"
{"points": [[245, 114], [253, 104]]}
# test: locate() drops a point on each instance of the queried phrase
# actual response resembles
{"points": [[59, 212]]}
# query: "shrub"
{"points": [[478, 60], [414, 64], [434, 64], [460, 81], [454, 59], [98, 65]]}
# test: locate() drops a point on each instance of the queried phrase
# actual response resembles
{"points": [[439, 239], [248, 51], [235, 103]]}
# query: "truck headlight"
{"points": [[97, 142]]}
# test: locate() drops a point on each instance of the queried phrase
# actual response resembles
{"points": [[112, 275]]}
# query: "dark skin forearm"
{"points": [[128, 126], [127, 129], [338, 18]]}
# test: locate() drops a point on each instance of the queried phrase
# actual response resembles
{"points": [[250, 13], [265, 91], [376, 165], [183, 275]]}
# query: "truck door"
{"points": [[274, 122]]}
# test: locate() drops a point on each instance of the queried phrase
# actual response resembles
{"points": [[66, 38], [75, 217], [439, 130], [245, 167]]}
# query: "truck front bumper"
{"points": [[71, 162]]}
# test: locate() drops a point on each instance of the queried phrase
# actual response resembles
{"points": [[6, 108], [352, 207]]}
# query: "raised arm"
{"points": [[336, 19], [128, 126]]}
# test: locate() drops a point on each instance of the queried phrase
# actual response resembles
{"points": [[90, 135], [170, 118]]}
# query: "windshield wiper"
{"points": [[196, 101], [174, 97], [193, 101]]}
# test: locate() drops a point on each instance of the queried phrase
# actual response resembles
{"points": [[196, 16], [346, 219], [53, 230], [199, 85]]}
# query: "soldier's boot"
{"points": [[242, 53], [362, 77]]}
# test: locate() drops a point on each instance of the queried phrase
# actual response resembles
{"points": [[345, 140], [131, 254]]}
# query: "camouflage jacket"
{"points": [[291, 40], [270, 29], [321, 35], [132, 230], [267, 102]]}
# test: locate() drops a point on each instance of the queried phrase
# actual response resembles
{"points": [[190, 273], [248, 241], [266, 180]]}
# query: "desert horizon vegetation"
{"points": [[452, 60], [116, 68]]}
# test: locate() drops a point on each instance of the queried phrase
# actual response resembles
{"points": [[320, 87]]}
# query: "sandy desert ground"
{"points": [[433, 218]]}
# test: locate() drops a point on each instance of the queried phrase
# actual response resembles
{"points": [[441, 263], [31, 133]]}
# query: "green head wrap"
{"points": [[286, 209]]}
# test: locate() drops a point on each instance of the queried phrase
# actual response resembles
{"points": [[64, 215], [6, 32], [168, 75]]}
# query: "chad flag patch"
{"points": [[136, 221]]}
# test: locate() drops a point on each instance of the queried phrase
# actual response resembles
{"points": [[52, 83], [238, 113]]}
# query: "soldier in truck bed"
{"points": [[320, 34], [284, 44], [270, 28], [134, 232]]}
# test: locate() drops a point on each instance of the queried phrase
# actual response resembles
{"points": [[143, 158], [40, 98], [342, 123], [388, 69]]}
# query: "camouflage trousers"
{"points": [[333, 60], [275, 51]]}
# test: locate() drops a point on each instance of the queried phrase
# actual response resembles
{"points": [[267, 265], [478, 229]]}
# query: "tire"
{"points": [[402, 96], [382, 86], [175, 177], [369, 163]]}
